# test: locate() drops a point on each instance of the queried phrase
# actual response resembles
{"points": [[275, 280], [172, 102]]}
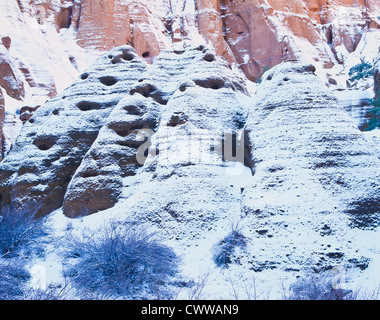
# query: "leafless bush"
{"points": [[225, 248], [17, 229], [12, 279], [318, 287], [118, 261]]}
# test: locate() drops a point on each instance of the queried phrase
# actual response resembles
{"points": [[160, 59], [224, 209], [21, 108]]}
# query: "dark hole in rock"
{"points": [[209, 57], [108, 80], [84, 76], [286, 79], [145, 54], [212, 83], [201, 47], [127, 56], [310, 68], [56, 112], [183, 87], [130, 144], [31, 120], [87, 106], [179, 51], [110, 56], [177, 120], [44, 143], [124, 130], [148, 90], [134, 110], [90, 173]]}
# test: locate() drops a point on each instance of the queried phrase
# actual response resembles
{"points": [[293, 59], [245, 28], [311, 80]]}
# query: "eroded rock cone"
{"points": [[52, 143], [315, 174], [177, 100]]}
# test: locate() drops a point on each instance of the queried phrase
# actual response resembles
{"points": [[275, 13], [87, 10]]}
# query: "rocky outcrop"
{"points": [[26, 112], [328, 149], [180, 145], [310, 161], [35, 174], [10, 75], [255, 34], [181, 91]]}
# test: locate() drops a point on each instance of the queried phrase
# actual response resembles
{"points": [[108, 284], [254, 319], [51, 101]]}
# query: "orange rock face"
{"points": [[254, 33]]}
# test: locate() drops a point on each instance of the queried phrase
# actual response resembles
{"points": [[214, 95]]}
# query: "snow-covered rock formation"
{"points": [[53, 142], [182, 146], [46, 44]]}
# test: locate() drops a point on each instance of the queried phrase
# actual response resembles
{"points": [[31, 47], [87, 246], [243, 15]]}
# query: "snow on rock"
{"points": [[315, 174], [53, 142], [181, 146], [181, 90]]}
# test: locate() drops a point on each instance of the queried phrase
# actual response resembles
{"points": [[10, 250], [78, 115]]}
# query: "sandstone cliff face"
{"points": [[40, 57], [255, 34], [58, 135]]}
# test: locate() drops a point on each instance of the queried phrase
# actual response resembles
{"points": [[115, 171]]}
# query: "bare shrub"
{"points": [[12, 279], [225, 248], [318, 287], [118, 261], [17, 229]]}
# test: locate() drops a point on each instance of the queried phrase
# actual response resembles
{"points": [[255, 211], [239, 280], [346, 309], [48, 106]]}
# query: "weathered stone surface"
{"points": [[180, 90], [313, 138], [310, 161], [10, 75], [53, 142], [253, 33]]}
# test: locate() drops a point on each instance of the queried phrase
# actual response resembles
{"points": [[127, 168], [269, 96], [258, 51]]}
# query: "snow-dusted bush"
{"points": [[118, 261], [361, 71], [225, 248], [318, 287], [17, 229], [12, 279]]}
